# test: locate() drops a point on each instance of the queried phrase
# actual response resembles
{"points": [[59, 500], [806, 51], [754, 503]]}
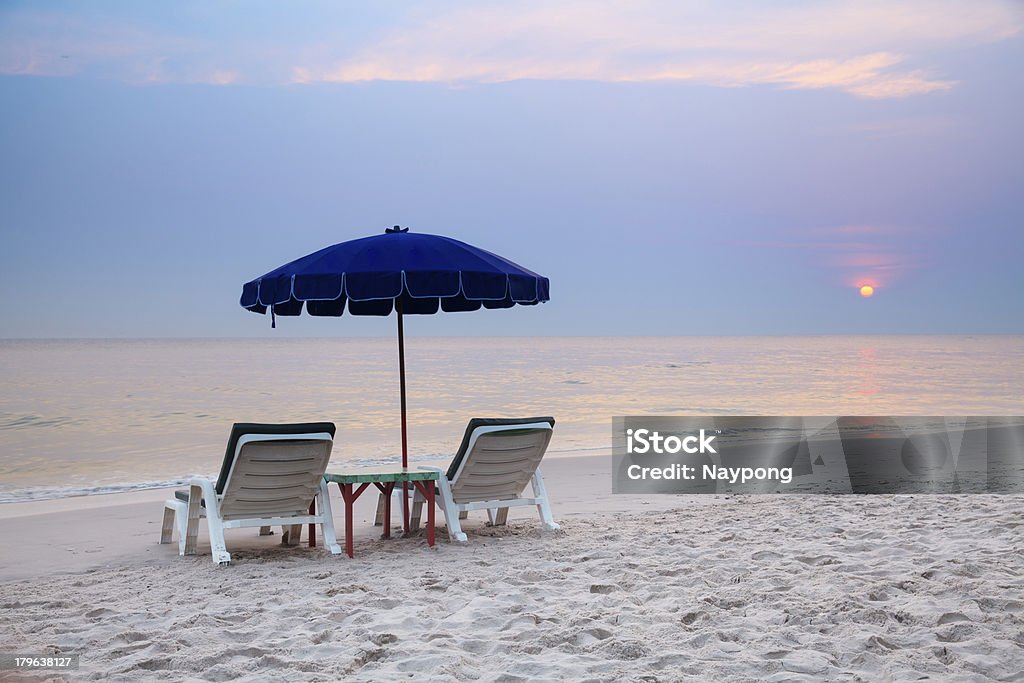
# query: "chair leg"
{"points": [[291, 534], [266, 531], [167, 528], [497, 516], [218, 545], [330, 537], [179, 515], [190, 539], [455, 532], [544, 506], [181, 521], [451, 514], [417, 509], [378, 518]]}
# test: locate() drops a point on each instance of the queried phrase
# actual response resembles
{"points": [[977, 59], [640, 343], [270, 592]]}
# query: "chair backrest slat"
{"points": [[240, 430], [275, 475], [498, 460]]}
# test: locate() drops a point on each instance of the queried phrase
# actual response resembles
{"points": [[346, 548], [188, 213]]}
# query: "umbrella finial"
{"points": [[395, 230]]}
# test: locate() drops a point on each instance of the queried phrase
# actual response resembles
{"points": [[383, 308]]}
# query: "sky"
{"points": [[676, 167]]}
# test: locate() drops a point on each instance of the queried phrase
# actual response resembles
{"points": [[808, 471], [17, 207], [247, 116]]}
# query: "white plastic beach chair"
{"points": [[498, 457], [270, 475]]}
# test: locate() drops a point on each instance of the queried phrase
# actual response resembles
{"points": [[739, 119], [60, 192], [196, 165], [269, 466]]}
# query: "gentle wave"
{"points": [[8, 421], [34, 493], [54, 492]]}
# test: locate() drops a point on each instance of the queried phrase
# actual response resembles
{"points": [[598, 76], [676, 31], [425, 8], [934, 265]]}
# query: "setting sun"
{"points": [[867, 291]]}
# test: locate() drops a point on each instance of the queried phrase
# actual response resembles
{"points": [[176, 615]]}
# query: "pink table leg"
{"points": [[427, 489], [385, 489], [349, 496]]}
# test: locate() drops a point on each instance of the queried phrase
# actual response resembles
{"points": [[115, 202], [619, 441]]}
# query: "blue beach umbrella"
{"points": [[401, 271]]}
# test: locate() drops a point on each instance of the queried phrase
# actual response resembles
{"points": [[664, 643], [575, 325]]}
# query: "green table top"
{"points": [[369, 475]]}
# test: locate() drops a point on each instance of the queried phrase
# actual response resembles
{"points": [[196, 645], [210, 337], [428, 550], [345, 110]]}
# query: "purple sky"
{"points": [[673, 167]]}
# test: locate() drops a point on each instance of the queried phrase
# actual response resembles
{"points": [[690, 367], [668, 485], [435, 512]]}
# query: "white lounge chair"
{"points": [[270, 476], [498, 457]]}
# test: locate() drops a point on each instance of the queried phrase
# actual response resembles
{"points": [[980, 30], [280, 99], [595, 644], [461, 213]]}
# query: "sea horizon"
{"points": [[285, 336]]}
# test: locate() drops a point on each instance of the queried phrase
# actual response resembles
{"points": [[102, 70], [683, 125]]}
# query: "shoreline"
{"points": [[127, 488]]}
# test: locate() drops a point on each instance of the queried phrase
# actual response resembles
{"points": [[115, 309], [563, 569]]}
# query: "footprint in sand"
{"points": [[100, 612], [341, 590], [880, 644], [957, 633], [477, 646], [629, 650], [591, 636], [158, 664], [765, 555], [383, 638], [692, 617], [818, 560], [807, 662], [944, 655], [950, 617]]}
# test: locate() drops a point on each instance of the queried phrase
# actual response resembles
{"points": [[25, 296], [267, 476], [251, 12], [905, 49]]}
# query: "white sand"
{"points": [[655, 588]]}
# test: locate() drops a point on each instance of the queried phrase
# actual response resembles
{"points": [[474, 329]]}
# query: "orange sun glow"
{"points": [[867, 291]]}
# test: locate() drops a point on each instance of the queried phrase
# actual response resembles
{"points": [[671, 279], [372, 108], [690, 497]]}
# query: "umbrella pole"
{"points": [[401, 382], [405, 442]]}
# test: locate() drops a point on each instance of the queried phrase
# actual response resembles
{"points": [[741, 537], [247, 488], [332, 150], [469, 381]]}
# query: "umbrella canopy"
{"points": [[417, 273], [397, 271]]}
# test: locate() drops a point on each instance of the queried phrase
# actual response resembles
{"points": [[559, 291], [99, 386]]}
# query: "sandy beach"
{"points": [[775, 588]]}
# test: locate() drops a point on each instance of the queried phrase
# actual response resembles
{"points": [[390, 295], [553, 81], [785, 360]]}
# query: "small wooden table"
{"points": [[352, 485]]}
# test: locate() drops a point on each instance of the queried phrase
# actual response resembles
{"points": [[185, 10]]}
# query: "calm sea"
{"points": [[82, 417]]}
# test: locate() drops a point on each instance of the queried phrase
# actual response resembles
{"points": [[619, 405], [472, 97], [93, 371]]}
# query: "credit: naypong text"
{"points": [[644, 441]]}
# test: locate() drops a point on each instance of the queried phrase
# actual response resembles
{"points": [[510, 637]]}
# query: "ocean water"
{"points": [[94, 416]]}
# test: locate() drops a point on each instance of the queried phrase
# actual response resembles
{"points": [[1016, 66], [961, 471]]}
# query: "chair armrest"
{"points": [[430, 469], [205, 485]]}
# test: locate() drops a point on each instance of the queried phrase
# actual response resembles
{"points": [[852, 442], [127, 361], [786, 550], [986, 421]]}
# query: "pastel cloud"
{"points": [[62, 44], [868, 48], [858, 254], [876, 267], [858, 47]]}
